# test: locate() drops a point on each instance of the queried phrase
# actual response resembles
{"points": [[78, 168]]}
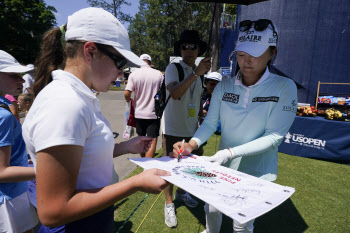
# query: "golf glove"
{"points": [[221, 157]]}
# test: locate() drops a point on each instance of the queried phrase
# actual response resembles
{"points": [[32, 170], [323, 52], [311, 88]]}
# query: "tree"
{"points": [[159, 23], [231, 9], [22, 25], [216, 37], [113, 8]]}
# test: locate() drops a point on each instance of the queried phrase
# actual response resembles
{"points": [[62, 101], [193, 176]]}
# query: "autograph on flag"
{"points": [[240, 196]]}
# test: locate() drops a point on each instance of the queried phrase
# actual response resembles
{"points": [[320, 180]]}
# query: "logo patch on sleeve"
{"points": [[266, 99], [230, 97]]}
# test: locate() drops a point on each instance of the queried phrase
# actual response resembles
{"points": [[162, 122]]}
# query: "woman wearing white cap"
{"points": [[256, 110], [70, 142], [16, 212]]}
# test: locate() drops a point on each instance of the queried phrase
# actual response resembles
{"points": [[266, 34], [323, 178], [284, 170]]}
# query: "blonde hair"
{"points": [[27, 97]]}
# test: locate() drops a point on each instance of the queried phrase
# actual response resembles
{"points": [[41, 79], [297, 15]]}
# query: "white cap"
{"points": [[214, 76], [255, 43], [30, 66], [8, 64], [145, 57], [97, 25]]}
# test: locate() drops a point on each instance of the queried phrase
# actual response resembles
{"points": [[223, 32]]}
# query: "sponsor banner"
{"points": [[316, 137], [240, 196]]}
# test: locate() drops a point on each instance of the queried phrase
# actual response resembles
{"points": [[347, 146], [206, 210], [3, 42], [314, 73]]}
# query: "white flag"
{"points": [[240, 196]]}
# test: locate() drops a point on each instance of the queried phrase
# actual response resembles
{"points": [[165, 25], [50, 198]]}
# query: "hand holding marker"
{"points": [[180, 155]]}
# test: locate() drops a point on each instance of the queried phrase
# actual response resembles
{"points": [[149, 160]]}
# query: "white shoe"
{"points": [[205, 231], [169, 215], [187, 199]]}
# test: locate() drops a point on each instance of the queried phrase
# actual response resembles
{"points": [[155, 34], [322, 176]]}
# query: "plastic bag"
{"points": [[128, 130]]}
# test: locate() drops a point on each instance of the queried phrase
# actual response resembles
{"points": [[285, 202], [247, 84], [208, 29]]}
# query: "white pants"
{"points": [[213, 218]]}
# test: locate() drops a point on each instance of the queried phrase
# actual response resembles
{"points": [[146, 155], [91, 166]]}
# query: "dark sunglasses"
{"points": [[119, 61], [259, 25], [189, 46]]}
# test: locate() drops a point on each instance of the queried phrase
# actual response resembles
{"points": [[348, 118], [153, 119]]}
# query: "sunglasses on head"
{"points": [[259, 25], [189, 46], [119, 61]]}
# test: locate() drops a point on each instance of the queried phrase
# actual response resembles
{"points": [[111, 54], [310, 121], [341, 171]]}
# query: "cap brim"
{"points": [[16, 69], [133, 60], [252, 49]]}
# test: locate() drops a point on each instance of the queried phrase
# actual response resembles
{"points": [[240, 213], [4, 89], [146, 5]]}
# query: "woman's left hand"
{"points": [[139, 144]]}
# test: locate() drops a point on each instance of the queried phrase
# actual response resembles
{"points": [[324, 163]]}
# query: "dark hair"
{"points": [[52, 57], [272, 48]]}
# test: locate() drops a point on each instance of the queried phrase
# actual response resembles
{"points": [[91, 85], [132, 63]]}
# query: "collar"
{"points": [[3, 100], [145, 66], [185, 66], [238, 78], [73, 81]]}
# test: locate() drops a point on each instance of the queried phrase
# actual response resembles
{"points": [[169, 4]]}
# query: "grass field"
{"points": [[320, 204]]}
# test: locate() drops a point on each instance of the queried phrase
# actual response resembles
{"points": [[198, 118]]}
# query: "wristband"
{"points": [[194, 73]]}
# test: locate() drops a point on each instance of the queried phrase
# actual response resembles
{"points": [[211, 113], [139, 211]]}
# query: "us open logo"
{"points": [[305, 141]]}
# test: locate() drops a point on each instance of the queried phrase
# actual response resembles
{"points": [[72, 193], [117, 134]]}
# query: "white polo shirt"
{"points": [[66, 112], [176, 120]]}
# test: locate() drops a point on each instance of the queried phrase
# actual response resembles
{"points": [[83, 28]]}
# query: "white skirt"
{"points": [[17, 215]]}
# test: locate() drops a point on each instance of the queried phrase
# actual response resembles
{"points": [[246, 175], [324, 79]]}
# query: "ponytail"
{"points": [[52, 57]]}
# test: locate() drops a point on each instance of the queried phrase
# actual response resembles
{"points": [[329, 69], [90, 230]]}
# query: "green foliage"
{"points": [[22, 25], [231, 9], [113, 8], [159, 23]]}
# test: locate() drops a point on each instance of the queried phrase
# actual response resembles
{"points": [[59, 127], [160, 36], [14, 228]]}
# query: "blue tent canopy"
{"points": [[314, 42]]}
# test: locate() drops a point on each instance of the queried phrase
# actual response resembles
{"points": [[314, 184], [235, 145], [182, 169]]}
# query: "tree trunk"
{"points": [[216, 38]]}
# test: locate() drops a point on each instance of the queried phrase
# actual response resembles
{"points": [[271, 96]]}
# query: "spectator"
{"points": [[25, 101], [145, 82], [180, 117], [16, 212], [263, 106], [13, 106], [210, 83], [70, 142], [29, 80]]}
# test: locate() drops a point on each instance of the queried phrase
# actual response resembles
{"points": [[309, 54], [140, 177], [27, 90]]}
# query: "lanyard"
{"points": [[194, 86]]}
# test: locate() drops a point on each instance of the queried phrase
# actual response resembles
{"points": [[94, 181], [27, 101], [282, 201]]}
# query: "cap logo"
{"points": [[250, 38], [273, 40]]}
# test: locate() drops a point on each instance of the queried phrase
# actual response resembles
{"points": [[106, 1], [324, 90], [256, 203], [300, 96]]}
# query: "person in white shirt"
{"points": [[180, 117], [28, 80], [145, 83], [70, 142], [256, 109]]}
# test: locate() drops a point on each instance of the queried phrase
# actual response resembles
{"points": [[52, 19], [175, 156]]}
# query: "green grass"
{"points": [[113, 88], [320, 204]]}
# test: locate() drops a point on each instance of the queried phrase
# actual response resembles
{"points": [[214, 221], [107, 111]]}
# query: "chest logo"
{"points": [[230, 97], [266, 99]]}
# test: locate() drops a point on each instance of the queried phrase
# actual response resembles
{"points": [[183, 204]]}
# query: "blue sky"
{"points": [[67, 7]]}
